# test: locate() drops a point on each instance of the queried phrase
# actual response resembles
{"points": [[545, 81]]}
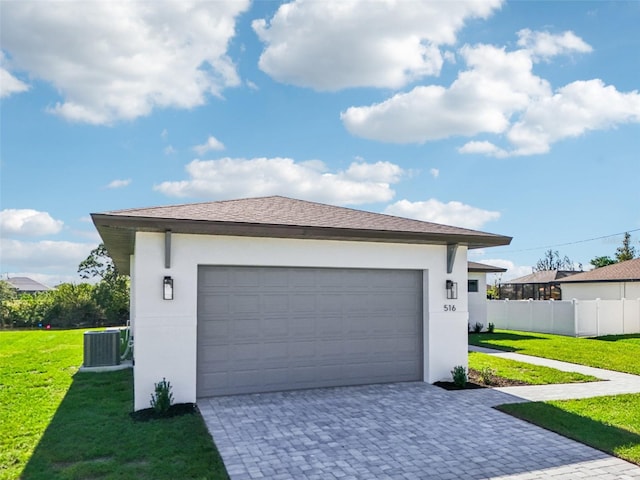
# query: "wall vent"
{"points": [[101, 349]]}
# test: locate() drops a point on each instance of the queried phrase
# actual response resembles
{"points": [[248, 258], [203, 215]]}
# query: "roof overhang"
{"points": [[118, 234]]}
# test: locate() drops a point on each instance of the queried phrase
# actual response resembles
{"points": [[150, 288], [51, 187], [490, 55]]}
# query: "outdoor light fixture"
{"points": [[452, 289], [167, 288]]}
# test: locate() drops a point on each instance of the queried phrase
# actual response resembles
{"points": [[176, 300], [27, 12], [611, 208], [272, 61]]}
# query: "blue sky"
{"points": [[518, 118]]}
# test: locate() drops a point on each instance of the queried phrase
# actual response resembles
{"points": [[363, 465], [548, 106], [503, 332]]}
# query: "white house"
{"points": [[613, 282], [477, 289], [272, 293]]}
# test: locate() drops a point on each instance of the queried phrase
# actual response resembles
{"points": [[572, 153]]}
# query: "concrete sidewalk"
{"points": [[614, 383]]}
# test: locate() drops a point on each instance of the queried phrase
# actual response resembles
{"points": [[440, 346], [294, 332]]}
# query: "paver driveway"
{"points": [[394, 431]]}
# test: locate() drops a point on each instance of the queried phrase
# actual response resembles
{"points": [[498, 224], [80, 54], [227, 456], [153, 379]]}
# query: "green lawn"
{"points": [[524, 372], [56, 423], [618, 353], [610, 424]]}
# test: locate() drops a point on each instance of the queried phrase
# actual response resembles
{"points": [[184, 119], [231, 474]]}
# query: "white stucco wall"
{"points": [[602, 290], [478, 300], [165, 330]]}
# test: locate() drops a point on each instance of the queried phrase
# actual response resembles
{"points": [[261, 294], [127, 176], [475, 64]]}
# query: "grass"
{"points": [[524, 372], [57, 423], [610, 424], [616, 352]]}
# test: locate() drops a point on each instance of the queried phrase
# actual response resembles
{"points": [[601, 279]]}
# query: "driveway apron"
{"points": [[400, 431]]}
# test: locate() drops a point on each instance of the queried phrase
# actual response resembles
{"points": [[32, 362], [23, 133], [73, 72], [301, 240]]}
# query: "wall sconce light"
{"points": [[452, 289], [167, 288]]}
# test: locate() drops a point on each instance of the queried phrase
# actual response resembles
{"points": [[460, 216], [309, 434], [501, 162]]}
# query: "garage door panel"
{"points": [[245, 277], [214, 304], [213, 331], [303, 326], [267, 329], [303, 302], [329, 302], [244, 304], [275, 327], [275, 303]]}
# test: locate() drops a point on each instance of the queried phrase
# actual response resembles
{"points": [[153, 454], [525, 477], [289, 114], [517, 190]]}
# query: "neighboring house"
{"points": [[477, 289], [543, 285], [613, 282], [25, 285], [272, 293]]}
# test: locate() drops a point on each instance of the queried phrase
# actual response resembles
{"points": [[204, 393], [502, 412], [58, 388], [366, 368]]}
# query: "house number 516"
{"points": [[449, 308]]}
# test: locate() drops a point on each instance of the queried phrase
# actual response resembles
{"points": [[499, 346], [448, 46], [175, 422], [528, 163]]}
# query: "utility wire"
{"points": [[571, 243]]}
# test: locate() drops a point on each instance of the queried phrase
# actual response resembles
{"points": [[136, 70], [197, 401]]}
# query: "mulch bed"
{"points": [[475, 381], [175, 410]]}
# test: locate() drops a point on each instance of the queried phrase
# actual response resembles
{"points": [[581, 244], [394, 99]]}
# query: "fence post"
{"points": [[576, 321]]}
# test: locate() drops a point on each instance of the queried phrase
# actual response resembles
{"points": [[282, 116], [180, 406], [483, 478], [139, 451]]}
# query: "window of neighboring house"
{"points": [[473, 286]]}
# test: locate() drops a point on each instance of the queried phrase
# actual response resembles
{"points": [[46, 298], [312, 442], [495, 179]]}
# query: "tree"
{"points": [[7, 293], [552, 261], [111, 293], [98, 264], [598, 262], [626, 251]]}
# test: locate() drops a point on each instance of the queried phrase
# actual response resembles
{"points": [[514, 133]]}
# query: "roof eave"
{"points": [[118, 234]]}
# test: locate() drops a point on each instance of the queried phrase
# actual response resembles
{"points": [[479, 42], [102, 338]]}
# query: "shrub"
{"points": [[477, 328], [491, 327], [162, 399], [459, 374], [486, 375]]}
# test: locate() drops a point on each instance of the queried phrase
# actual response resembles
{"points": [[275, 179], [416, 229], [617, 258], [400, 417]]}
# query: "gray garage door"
{"points": [[264, 329]]}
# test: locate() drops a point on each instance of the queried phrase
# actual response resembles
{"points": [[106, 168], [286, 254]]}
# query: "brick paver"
{"points": [[404, 431]]}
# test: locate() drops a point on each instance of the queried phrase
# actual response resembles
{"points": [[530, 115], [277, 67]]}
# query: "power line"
{"points": [[571, 243]]}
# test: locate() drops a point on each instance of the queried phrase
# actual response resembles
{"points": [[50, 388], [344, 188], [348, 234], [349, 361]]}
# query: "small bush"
{"points": [[459, 374], [163, 398], [477, 328], [486, 375], [491, 327]]}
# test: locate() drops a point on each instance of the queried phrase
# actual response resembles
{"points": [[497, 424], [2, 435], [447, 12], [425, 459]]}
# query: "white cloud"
{"points": [[119, 183], [236, 177], [164, 134], [333, 44], [545, 44], [481, 99], [484, 148], [499, 94], [28, 222], [212, 143], [169, 150], [133, 57], [573, 110], [435, 173], [452, 213], [44, 256], [10, 84]]}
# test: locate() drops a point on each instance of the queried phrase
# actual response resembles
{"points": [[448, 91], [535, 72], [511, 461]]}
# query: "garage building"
{"points": [[273, 293]]}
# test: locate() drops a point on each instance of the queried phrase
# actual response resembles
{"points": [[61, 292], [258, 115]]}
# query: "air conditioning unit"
{"points": [[102, 349]]}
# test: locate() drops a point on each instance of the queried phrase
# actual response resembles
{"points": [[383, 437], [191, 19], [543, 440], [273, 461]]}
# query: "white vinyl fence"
{"points": [[579, 318]]}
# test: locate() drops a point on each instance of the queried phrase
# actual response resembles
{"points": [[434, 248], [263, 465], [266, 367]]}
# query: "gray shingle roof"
{"points": [[544, 276], [623, 271], [483, 267], [279, 217], [26, 284], [278, 210]]}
